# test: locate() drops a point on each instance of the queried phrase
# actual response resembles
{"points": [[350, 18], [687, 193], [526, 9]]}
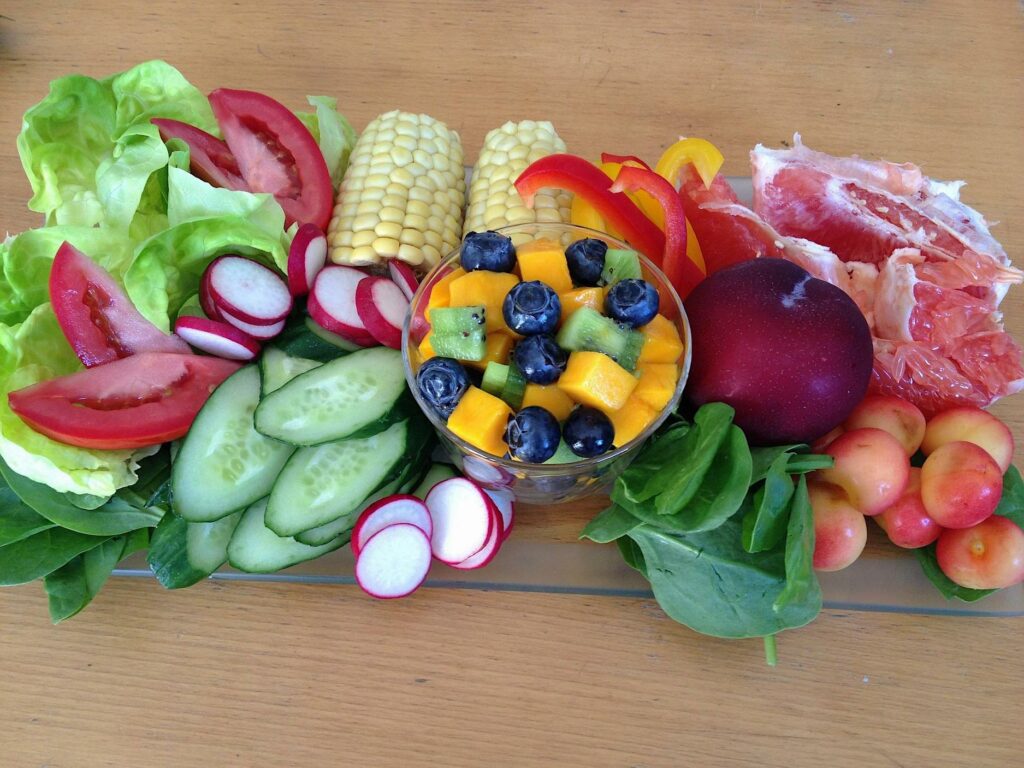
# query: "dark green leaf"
{"points": [[168, 554], [632, 555], [115, 517], [708, 582], [610, 524], [764, 524], [800, 578], [762, 457], [661, 452], [85, 501], [802, 463], [949, 588], [17, 520], [1011, 505], [42, 553], [675, 489], [72, 587]]}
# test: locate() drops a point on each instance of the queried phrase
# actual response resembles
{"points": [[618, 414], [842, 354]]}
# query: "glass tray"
{"points": [[881, 580]]}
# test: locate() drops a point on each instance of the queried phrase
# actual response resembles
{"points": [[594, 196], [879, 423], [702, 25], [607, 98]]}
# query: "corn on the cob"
{"points": [[507, 151], [402, 195]]}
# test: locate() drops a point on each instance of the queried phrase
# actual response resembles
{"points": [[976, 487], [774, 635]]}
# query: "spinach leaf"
{"points": [[764, 456], [660, 453], [708, 582], [42, 553], [1011, 505], [802, 463], [799, 559], [115, 517], [674, 490], [17, 520], [949, 588], [632, 555], [610, 524], [764, 524], [73, 586]]}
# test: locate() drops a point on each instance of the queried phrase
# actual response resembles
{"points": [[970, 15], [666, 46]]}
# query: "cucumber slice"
{"points": [[183, 553], [254, 548], [328, 531], [352, 396], [324, 482], [277, 368], [299, 340], [224, 464], [495, 376], [340, 342], [515, 388], [588, 329], [435, 475], [620, 264]]}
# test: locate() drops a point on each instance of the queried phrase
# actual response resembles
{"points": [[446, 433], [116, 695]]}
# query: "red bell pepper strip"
{"points": [[585, 179], [677, 266], [608, 157]]}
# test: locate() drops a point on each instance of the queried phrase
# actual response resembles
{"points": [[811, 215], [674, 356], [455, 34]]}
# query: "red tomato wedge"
{"points": [[209, 157], [276, 153], [100, 323], [141, 400]]}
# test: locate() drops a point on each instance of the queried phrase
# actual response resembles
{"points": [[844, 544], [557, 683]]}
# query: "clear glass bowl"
{"points": [[542, 483]]}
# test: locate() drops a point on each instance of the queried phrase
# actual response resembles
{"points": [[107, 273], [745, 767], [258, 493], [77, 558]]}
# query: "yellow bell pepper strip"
{"points": [[680, 271], [704, 156], [585, 179]]}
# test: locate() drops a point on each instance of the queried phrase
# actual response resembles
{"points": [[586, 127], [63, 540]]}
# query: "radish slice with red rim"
{"points": [[488, 551], [257, 331], [391, 510], [248, 290], [381, 306], [217, 338], [463, 517], [505, 501], [394, 561], [332, 304], [404, 277], [206, 301], [306, 257]]}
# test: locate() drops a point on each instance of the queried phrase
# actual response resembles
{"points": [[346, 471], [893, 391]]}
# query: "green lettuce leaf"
{"points": [[332, 132], [190, 198]]}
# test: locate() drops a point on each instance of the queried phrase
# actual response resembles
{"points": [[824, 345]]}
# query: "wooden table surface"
{"points": [[282, 675]]}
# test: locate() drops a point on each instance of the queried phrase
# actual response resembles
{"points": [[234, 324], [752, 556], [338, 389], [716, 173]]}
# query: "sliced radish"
{"points": [[217, 338], [381, 306], [248, 290], [206, 298], [332, 304], [306, 258], [256, 330], [488, 551], [404, 277], [390, 510], [394, 562], [463, 519], [505, 501]]}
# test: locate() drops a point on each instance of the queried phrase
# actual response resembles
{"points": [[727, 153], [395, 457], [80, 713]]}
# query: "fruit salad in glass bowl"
{"points": [[545, 355]]}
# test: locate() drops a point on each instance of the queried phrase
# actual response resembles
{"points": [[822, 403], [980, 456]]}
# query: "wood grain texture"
{"points": [[283, 675]]}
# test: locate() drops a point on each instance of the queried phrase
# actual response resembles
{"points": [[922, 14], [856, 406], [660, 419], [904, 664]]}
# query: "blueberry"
{"points": [[588, 432], [540, 359], [531, 308], [586, 260], [632, 302], [488, 250], [532, 434], [442, 382]]}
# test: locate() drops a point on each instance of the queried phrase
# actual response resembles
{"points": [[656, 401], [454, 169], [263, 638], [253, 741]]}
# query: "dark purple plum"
{"points": [[790, 353]]}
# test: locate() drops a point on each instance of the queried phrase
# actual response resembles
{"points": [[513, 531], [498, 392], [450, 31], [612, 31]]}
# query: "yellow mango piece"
{"points": [[582, 297], [498, 347], [440, 294], [487, 288], [631, 419], [480, 419], [657, 383], [544, 260], [661, 342], [594, 379], [549, 397], [426, 349]]}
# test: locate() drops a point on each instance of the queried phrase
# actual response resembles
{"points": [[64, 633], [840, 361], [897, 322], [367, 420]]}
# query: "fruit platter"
{"points": [[251, 342]]}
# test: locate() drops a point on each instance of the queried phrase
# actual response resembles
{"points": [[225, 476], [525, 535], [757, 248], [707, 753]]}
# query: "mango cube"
{"points": [[440, 294], [486, 288], [549, 397], [594, 379], [426, 349], [657, 383], [480, 419], [544, 260], [661, 342], [631, 419], [497, 348], [581, 297]]}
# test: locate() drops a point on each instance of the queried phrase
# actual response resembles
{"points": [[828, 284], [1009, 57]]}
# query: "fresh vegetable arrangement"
{"points": [[203, 354]]}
